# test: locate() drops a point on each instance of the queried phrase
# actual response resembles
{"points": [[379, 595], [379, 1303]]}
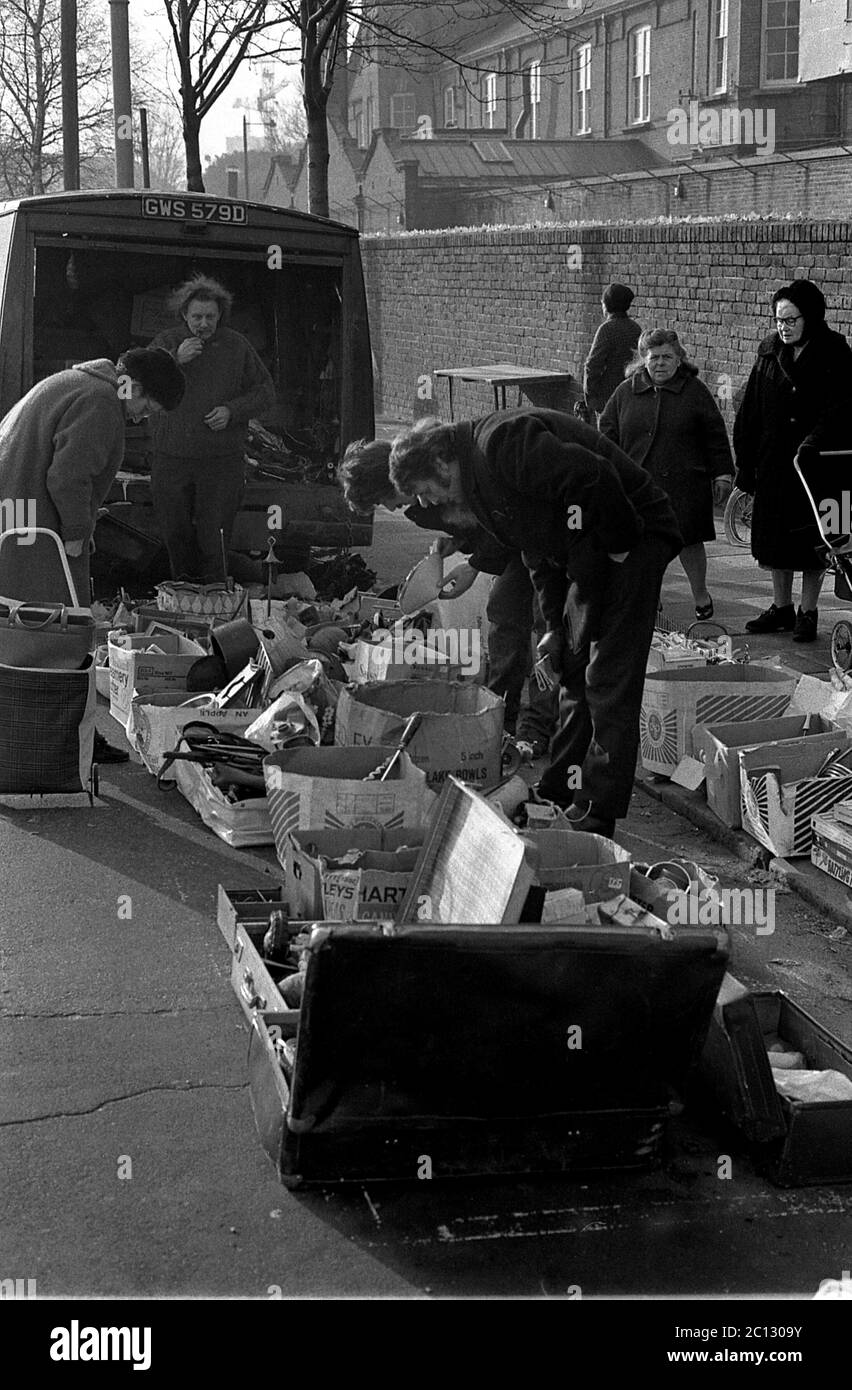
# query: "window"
{"points": [[640, 75], [532, 99], [489, 91], [719, 46], [583, 121], [402, 111], [449, 106], [356, 123], [780, 40], [369, 125]]}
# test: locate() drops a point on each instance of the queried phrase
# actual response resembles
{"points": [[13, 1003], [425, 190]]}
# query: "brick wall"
{"points": [[812, 184], [452, 299]]}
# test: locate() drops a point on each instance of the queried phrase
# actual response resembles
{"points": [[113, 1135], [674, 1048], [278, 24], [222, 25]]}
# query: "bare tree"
{"points": [[211, 38], [31, 92], [419, 35]]}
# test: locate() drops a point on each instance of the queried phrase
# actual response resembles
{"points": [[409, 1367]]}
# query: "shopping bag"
{"points": [[47, 729], [47, 636]]}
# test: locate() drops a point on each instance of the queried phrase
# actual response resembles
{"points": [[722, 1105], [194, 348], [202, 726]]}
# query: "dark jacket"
{"points": [[227, 372], [789, 404], [60, 449], [484, 552], [677, 433], [612, 348], [544, 483]]}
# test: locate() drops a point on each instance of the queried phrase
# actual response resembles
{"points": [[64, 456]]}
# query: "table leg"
{"points": [[450, 384]]}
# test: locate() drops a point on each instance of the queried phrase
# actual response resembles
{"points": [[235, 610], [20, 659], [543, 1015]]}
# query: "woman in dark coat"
{"points": [[667, 420], [797, 399]]}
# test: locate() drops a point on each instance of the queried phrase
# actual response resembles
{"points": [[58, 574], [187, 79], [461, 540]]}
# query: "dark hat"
{"points": [[809, 300], [157, 373], [617, 297]]}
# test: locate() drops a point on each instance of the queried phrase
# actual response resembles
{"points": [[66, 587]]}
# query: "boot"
{"points": [[806, 626], [774, 620]]}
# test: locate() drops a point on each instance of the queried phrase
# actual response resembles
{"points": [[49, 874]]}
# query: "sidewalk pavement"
{"points": [[741, 591]]}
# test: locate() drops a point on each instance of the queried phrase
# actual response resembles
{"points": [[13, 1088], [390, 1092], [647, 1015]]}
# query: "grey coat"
{"points": [[60, 449], [677, 433]]}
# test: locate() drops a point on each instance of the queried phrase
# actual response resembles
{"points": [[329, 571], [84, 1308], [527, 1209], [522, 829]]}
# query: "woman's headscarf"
{"points": [[808, 299]]}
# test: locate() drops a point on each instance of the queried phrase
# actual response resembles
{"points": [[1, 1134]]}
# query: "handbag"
{"points": [[45, 636]]}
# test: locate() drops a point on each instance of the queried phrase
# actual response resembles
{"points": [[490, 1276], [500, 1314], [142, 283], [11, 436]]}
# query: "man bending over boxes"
{"points": [[596, 534]]}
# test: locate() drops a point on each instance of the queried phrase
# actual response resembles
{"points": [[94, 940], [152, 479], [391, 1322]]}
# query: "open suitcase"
{"points": [[47, 693], [479, 1050]]}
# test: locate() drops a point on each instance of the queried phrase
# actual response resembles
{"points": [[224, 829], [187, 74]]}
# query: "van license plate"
{"points": [[194, 210]]}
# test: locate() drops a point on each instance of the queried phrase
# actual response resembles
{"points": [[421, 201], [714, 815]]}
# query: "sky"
{"points": [[149, 24]]}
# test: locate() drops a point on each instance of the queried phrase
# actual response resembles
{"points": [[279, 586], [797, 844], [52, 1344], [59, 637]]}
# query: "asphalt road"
{"points": [[127, 1146]]}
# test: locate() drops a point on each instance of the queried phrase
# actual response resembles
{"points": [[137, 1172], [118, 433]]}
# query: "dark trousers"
{"points": [[514, 617], [593, 757], [193, 499]]}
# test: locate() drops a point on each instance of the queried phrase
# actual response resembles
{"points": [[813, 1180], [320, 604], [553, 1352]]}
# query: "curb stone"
{"points": [[828, 895]]}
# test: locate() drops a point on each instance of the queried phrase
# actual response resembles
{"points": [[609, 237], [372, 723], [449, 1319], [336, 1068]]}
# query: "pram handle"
{"points": [[45, 531], [823, 453]]}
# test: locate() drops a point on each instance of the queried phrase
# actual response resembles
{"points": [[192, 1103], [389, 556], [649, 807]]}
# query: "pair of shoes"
{"points": [[774, 620], [704, 611], [806, 626], [105, 753], [580, 816]]}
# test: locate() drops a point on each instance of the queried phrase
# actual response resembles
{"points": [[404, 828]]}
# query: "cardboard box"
{"points": [[156, 721], [831, 847], [324, 789], [720, 744], [375, 661], [797, 1142], [781, 792], [239, 823], [461, 733], [598, 867], [673, 702], [349, 875], [133, 670]]}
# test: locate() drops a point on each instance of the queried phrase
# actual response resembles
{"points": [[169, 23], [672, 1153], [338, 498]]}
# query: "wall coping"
{"points": [[735, 227]]}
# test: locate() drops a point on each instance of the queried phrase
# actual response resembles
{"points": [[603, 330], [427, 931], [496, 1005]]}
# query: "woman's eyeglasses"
{"points": [[794, 318]]}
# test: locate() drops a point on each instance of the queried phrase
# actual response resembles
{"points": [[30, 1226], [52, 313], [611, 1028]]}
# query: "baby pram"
{"points": [[836, 552]]}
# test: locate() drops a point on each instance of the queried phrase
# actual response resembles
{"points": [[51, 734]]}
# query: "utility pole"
{"points": [[122, 110], [143, 139], [70, 121], [245, 158]]}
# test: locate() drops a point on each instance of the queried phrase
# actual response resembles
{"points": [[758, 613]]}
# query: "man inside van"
{"points": [[198, 469], [60, 449]]}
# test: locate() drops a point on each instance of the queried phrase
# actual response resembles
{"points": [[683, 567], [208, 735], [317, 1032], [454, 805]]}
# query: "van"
{"points": [[88, 274]]}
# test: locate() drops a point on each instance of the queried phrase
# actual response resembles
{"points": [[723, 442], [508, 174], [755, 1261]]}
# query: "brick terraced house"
{"points": [[604, 107]]}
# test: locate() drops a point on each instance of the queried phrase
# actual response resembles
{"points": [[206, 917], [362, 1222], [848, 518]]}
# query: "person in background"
{"points": [[667, 421], [612, 348], [512, 609], [796, 402], [198, 468], [60, 449], [596, 533]]}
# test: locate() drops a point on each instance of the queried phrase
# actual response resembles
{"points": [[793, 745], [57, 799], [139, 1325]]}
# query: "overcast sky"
{"points": [[148, 17]]}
